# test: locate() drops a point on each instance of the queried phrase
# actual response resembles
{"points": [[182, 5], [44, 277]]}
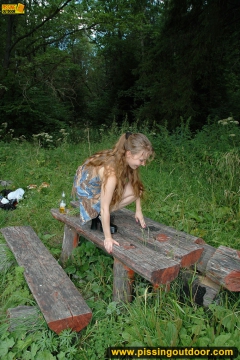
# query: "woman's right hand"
{"points": [[108, 244]]}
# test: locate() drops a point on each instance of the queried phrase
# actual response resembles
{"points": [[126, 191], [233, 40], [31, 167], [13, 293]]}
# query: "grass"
{"points": [[192, 185]]}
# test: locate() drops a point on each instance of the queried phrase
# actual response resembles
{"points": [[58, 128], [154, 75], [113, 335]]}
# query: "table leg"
{"points": [[70, 241], [123, 278]]}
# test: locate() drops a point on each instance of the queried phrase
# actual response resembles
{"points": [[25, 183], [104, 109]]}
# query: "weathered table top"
{"points": [[157, 253]]}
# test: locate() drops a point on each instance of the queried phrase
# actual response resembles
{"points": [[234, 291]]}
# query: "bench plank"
{"points": [[208, 252], [59, 300], [24, 317], [153, 266], [224, 268]]}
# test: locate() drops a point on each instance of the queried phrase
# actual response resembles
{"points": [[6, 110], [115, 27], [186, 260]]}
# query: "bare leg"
{"points": [[128, 198]]}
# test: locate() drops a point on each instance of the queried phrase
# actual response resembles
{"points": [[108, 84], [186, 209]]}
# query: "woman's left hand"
{"points": [[139, 218]]}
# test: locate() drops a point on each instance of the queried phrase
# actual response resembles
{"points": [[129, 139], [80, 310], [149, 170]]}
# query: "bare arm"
{"points": [[106, 198], [139, 215]]}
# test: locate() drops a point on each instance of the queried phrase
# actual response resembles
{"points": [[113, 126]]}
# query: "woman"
{"points": [[109, 180]]}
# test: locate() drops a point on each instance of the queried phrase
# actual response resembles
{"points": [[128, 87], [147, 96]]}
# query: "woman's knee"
{"points": [[128, 191]]}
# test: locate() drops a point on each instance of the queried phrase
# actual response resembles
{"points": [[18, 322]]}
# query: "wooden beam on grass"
{"points": [[59, 300]]}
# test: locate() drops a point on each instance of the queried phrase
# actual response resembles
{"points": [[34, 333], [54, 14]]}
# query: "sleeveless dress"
{"points": [[87, 187]]}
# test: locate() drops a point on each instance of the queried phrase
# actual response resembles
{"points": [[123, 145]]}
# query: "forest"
{"points": [[72, 64]]}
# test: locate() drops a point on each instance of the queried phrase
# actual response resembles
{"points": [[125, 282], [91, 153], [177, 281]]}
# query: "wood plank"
{"points": [[70, 241], [5, 262], [155, 226], [123, 278], [224, 268], [212, 290], [59, 300], [167, 241], [208, 252], [154, 267], [202, 290], [24, 317]]}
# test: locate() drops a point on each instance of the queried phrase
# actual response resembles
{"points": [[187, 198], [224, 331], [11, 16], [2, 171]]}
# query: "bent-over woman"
{"points": [[109, 180]]}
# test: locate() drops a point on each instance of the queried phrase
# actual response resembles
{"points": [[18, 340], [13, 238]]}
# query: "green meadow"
{"points": [[192, 185]]}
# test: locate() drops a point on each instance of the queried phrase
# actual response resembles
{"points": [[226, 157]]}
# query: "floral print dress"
{"points": [[87, 187]]}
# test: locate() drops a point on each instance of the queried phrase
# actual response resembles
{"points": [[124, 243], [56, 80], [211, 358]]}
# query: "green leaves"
{"points": [[222, 340], [5, 345], [45, 355]]}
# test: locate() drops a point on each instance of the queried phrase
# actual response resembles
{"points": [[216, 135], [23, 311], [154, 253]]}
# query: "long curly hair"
{"points": [[114, 162]]}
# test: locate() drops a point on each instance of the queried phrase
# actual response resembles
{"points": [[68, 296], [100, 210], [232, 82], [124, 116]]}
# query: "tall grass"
{"points": [[192, 185]]}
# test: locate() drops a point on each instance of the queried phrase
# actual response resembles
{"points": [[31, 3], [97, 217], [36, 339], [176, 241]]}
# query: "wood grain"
{"points": [[153, 266], [59, 300], [224, 268]]}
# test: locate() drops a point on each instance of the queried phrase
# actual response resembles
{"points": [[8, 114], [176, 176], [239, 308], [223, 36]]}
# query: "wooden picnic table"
{"points": [[156, 253]]}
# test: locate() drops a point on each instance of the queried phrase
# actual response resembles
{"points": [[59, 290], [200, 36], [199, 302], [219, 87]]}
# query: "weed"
{"points": [[193, 185]]}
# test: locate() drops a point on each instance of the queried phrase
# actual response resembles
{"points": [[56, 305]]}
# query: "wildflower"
{"points": [[223, 122], [4, 124], [232, 135]]}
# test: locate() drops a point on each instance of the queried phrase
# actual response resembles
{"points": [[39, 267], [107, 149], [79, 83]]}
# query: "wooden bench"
{"points": [[59, 300], [157, 253]]}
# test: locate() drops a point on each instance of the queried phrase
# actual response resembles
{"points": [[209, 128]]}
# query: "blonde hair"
{"points": [[114, 162]]}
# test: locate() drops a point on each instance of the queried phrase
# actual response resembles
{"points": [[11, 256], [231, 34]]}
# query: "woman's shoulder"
{"points": [[106, 170]]}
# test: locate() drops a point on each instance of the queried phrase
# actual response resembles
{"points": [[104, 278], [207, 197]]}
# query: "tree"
{"points": [[188, 61], [91, 61], [36, 94]]}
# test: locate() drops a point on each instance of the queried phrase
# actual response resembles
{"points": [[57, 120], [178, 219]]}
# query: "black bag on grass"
{"points": [[11, 205]]}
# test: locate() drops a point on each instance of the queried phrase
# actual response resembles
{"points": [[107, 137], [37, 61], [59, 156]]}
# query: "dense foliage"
{"points": [[80, 63], [192, 185]]}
